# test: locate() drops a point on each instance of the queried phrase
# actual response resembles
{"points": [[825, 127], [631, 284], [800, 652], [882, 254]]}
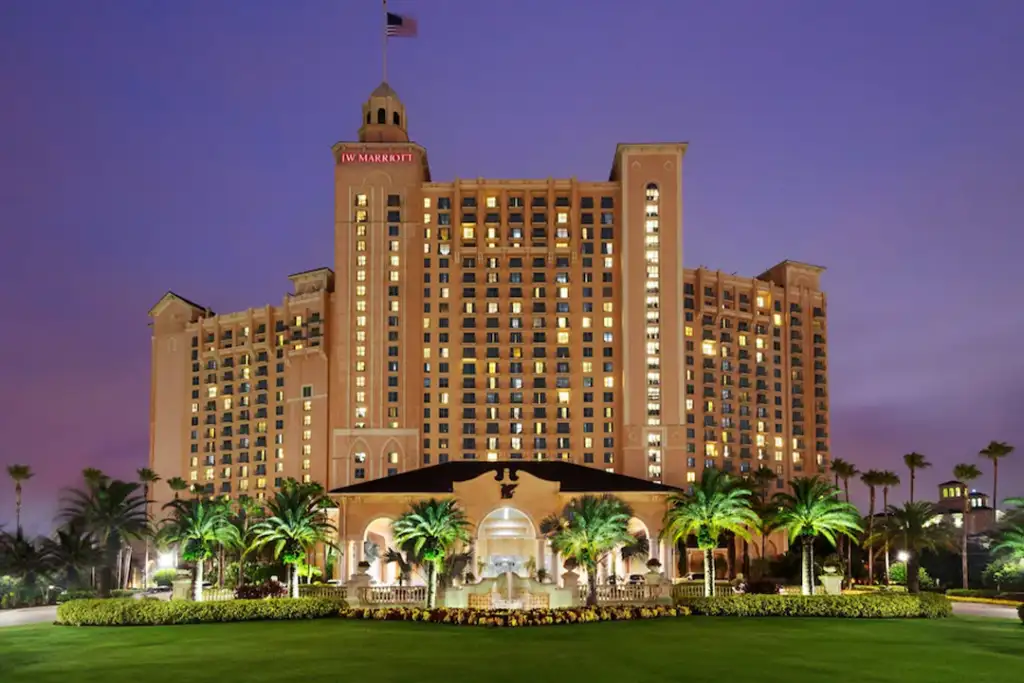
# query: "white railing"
{"points": [[625, 593], [393, 595]]}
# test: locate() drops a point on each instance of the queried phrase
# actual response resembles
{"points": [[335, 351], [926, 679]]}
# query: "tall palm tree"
{"points": [[246, 514], [18, 474], [813, 509], [429, 530], [114, 512], [887, 479], [914, 462], [846, 471], [177, 484], [296, 521], [197, 526], [762, 479], [966, 473], [872, 479], [995, 451], [73, 551], [913, 526], [147, 477], [719, 503], [93, 476]]}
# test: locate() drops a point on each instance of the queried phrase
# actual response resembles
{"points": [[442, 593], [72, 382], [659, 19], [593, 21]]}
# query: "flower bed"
{"points": [[879, 606], [129, 612], [505, 618]]}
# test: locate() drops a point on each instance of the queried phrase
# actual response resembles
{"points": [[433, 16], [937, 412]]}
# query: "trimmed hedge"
{"points": [[514, 618], [129, 612], [892, 606]]}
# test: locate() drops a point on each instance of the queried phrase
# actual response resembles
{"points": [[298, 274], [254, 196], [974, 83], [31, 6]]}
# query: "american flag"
{"points": [[400, 26]]}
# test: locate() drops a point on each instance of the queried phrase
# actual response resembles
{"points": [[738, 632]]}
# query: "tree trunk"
{"points": [[591, 585], [913, 571], [912, 484], [127, 566], [145, 568], [995, 490], [849, 541], [963, 544], [220, 567], [294, 588], [118, 567], [871, 530], [17, 507], [885, 505], [106, 580], [709, 572], [806, 578], [197, 581], [432, 585]]}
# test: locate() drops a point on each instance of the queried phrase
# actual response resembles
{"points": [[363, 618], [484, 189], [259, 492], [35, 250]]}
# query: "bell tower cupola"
{"points": [[383, 117]]}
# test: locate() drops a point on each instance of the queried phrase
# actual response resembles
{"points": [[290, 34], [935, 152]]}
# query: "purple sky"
{"points": [[154, 146]]}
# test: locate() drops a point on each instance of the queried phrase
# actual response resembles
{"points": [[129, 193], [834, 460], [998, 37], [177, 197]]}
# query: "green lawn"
{"points": [[689, 649]]}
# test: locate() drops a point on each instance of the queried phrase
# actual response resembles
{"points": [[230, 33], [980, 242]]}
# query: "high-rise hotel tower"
{"points": [[495, 320]]}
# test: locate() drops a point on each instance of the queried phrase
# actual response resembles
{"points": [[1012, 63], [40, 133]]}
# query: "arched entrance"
{"points": [[376, 540], [506, 541]]}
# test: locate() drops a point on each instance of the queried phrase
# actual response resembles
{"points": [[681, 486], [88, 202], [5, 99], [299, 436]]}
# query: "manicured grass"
{"points": [[688, 649]]}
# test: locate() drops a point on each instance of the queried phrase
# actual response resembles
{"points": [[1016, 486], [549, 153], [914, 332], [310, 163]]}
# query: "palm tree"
{"points": [[429, 530], [25, 559], [18, 474], [888, 478], [197, 526], [914, 462], [296, 521], [93, 476], [147, 477], [73, 551], [966, 473], [872, 479], [913, 525], [114, 512], [247, 513], [995, 451], [587, 530], [1010, 542], [846, 471], [762, 479], [719, 503], [813, 509], [177, 484]]}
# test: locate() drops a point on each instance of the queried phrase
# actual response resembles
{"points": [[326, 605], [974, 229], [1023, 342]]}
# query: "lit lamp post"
{"points": [[903, 556]]}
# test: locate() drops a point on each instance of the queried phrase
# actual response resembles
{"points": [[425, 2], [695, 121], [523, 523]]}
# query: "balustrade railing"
{"points": [[393, 595], [329, 591]]}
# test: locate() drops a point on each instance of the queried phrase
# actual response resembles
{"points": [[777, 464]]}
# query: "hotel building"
{"points": [[495, 320]]}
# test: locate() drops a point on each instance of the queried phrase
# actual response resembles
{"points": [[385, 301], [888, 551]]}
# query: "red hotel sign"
{"points": [[376, 157]]}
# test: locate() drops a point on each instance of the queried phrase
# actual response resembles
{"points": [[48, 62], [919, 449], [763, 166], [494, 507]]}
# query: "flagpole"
{"points": [[385, 41]]}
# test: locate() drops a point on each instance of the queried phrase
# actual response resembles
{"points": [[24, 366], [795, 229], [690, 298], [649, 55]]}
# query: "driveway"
{"points": [[980, 609], [28, 615]]}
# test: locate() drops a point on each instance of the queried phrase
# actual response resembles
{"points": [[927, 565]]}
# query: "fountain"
{"points": [[508, 599]]}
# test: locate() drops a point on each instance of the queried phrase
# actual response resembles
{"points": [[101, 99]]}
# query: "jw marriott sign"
{"points": [[375, 157]]}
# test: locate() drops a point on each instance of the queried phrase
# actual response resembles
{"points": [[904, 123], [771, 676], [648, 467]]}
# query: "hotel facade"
{"points": [[494, 321]]}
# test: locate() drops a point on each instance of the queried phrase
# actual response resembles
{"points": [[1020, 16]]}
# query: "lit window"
{"points": [[426, 202]]}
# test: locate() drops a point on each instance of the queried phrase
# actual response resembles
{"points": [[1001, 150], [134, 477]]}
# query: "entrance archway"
{"points": [[506, 541], [377, 538]]}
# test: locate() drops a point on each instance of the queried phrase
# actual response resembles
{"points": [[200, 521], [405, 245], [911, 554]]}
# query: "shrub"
{"points": [[75, 595], [128, 612], [270, 589], [898, 574], [1020, 613], [164, 577], [891, 606], [512, 618]]}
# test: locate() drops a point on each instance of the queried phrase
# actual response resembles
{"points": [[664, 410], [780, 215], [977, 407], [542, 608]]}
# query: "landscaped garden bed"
{"points": [[879, 606], [531, 617], [130, 612]]}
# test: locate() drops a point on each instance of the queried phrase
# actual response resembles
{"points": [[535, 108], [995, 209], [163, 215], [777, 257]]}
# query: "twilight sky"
{"points": [[185, 145]]}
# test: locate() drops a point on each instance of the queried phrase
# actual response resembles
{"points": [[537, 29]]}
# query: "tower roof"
{"points": [[384, 90]]}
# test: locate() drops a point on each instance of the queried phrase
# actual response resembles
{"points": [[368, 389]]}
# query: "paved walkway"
{"points": [[980, 609], [28, 615]]}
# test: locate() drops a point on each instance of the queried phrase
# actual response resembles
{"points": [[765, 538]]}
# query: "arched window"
{"points": [[396, 119], [653, 194], [382, 116]]}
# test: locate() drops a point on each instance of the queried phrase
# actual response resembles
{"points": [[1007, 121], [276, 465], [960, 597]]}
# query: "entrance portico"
{"points": [[505, 502]]}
